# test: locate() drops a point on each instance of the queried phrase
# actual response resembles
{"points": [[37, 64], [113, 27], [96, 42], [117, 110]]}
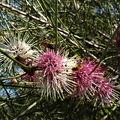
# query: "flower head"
{"points": [[84, 79], [55, 75], [93, 84], [20, 49], [50, 63], [88, 66], [105, 92]]}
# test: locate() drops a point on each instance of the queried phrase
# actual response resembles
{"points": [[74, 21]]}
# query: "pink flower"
{"points": [[50, 63], [93, 85], [89, 65], [85, 81], [54, 74], [105, 92]]}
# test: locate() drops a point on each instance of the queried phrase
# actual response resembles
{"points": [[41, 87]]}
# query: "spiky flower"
{"points": [[19, 49], [105, 92], [55, 75], [93, 84], [84, 81]]}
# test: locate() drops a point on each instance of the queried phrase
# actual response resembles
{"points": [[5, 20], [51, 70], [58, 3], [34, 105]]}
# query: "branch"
{"points": [[106, 48], [63, 32], [22, 13], [10, 57], [103, 34], [26, 110]]}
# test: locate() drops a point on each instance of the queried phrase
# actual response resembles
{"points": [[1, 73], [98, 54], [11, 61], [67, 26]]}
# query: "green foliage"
{"points": [[77, 25]]}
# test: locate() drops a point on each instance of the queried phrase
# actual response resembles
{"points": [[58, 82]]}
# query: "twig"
{"points": [[10, 57], [103, 34], [56, 24], [30, 107], [22, 13], [105, 50], [61, 31]]}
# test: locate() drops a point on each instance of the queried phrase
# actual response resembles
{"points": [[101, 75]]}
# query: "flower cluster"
{"points": [[59, 75], [93, 85]]}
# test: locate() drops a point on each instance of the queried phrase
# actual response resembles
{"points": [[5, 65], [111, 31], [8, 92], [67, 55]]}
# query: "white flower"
{"points": [[20, 49]]}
